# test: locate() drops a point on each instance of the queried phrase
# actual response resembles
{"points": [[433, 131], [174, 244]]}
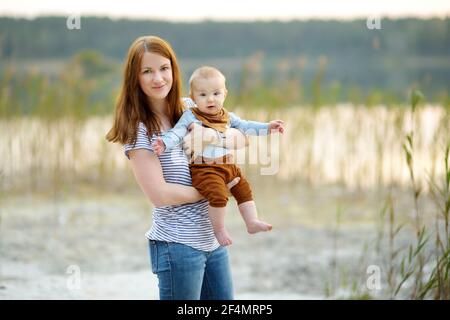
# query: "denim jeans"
{"points": [[185, 273]]}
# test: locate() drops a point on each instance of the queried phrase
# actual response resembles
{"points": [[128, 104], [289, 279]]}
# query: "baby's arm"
{"points": [[158, 146], [276, 126], [254, 127]]}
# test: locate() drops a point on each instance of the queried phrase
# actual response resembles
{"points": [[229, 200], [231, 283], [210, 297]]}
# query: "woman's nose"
{"points": [[157, 77]]}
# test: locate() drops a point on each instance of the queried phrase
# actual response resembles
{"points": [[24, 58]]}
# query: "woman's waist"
{"points": [[177, 223], [200, 207]]}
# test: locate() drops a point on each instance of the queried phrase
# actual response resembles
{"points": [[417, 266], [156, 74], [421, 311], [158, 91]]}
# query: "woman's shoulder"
{"points": [[142, 139], [142, 128]]}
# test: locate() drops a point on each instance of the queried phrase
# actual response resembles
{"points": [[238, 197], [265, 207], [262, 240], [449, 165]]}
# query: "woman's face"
{"points": [[155, 76]]}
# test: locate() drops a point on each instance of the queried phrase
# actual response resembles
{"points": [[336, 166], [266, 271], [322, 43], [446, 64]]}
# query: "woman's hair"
{"points": [[132, 105]]}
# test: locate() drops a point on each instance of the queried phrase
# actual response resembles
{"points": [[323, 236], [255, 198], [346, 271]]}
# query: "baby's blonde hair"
{"points": [[205, 72]]}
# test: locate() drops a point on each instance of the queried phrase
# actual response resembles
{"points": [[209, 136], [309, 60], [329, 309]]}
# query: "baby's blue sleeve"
{"points": [[175, 135], [253, 128]]}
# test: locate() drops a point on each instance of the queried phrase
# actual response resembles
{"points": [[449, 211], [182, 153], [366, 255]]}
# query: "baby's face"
{"points": [[209, 94]]}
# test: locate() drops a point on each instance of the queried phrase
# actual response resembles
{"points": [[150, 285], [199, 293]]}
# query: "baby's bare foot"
{"points": [[223, 237], [258, 226]]}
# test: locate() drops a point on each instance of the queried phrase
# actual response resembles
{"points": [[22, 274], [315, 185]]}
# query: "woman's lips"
{"points": [[158, 88]]}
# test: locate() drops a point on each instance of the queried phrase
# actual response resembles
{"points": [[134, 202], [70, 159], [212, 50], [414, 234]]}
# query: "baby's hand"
{"points": [[276, 126], [158, 146]]}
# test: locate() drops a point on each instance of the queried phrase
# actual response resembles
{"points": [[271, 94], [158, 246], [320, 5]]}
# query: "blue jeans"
{"points": [[185, 273]]}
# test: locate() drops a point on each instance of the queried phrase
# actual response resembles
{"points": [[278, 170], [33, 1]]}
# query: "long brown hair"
{"points": [[132, 105]]}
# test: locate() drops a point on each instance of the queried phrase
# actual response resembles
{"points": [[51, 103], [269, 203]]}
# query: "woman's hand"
{"points": [[233, 182], [200, 136], [197, 138]]}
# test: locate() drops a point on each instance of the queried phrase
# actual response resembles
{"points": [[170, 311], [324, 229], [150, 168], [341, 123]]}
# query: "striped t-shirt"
{"points": [[188, 223]]}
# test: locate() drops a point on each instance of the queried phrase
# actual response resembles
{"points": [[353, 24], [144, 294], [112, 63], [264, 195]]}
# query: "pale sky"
{"points": [[194, 10]]}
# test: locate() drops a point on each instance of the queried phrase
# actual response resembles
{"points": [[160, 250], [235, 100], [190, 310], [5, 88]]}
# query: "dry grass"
{"points": [[355, 146]]}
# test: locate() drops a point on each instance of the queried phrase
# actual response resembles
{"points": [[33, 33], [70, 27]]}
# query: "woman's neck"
{"points": [[159, 107]]}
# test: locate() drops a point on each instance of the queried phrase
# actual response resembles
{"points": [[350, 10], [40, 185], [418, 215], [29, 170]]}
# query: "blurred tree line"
{"points": [[48, 37], [268, 64]]}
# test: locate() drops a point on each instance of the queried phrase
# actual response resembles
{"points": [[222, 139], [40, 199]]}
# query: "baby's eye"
{"points": [[216, 93], [202, 95]]}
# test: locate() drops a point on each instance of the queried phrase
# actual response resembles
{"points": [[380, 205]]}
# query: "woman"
{"points": [[185, 255]]}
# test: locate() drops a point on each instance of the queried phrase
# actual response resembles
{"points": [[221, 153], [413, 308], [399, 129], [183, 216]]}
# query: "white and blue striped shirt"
{"points": [[189, 223]]}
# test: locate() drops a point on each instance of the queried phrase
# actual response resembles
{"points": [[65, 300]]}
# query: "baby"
{"points": [[213, 169]]}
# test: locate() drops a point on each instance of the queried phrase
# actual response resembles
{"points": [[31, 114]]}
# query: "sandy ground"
{"points": [[21, 281], [43, 235]]}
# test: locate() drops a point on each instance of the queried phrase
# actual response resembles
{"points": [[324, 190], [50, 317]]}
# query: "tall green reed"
{"points": [[408, 267]]}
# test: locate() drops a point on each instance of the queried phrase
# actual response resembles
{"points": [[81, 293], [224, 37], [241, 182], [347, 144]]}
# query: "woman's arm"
{"points": [[148, 173]]}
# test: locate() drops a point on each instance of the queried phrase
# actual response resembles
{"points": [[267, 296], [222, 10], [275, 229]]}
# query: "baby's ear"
{"points": [[225, 92]]}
